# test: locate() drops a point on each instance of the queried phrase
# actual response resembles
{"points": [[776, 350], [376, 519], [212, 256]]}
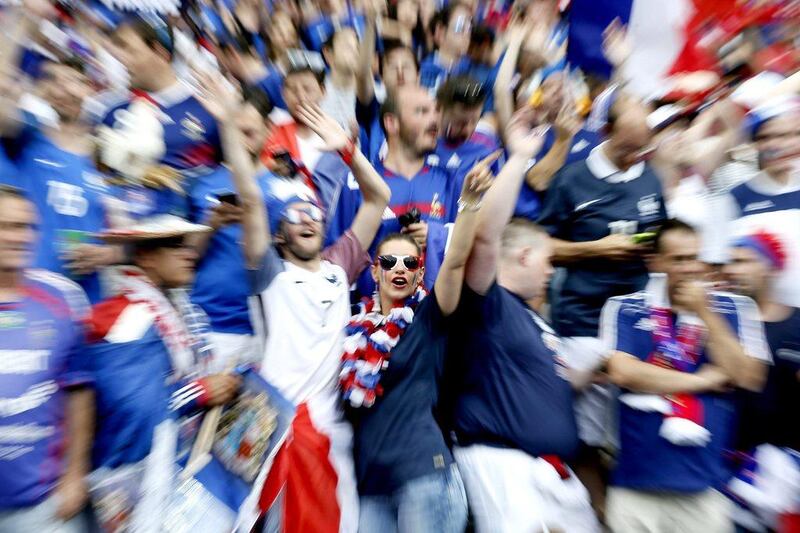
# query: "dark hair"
{"points": [[461, 90], [399, 237], [154, 31], [672, 224], [255, 96], [444, 15], [389, 47], [73, 62], [14, 192], [389, 107], [301, 69]]}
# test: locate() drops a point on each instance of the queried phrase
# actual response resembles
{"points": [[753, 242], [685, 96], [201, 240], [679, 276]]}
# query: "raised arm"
{"points": [[223, 102], [451, 274], [365, 87], [503, 95], [523, 142], [374, 191], [566, 126]]}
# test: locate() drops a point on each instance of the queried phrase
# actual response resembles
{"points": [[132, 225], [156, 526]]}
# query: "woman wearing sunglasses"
{"points": [[393, 356]]}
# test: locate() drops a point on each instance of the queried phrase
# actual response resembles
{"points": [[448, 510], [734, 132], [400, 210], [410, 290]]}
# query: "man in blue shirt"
{"points": [[191, 135], [56, 169], [592, 210], [764, 431], [461, 145], [675, 350], [221, 286], [399, 68], [513, 419], [423, 190], [452, 29], [44, 410]]}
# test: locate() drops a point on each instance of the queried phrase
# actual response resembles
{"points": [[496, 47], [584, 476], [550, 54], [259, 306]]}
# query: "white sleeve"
{"points": [[717, 237], [751, 329]]}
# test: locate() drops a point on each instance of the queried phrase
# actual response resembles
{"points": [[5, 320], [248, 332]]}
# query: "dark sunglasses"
{"points": [[388, 262]]}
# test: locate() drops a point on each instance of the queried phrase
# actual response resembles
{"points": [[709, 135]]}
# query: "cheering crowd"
{"points": [[320, 266]]}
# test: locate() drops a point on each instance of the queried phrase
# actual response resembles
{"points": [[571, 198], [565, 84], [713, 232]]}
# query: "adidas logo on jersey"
{"points": [[766, 204], [454, 161], [388, 214], [645, 324]]}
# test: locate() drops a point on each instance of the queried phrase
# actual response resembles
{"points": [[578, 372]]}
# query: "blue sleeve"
{"points": [[436, 245], [78, 370], [556, 209], [341, 217], [271, 266], [617, 331]]}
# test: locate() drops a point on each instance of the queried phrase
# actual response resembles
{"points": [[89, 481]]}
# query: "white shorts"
{"points": [[632, 511], [510, 491]]}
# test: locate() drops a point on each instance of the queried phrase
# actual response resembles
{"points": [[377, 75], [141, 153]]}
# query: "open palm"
{"points": [[332, 134]]}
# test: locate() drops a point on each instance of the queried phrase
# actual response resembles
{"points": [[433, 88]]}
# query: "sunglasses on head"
{"points": [[293, 215], [388, 262]]}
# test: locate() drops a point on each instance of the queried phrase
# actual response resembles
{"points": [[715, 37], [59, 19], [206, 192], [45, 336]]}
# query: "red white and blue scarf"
{"points": [[371, 336]]}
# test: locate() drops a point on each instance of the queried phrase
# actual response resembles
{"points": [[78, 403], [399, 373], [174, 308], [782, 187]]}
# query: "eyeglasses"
{"points": [[293, 215], [388, 262]]}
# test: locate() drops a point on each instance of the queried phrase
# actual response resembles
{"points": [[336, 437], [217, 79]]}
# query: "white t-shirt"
{"points": [[303, 315]]}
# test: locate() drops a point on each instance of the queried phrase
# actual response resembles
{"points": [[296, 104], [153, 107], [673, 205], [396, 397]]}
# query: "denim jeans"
{"points": [[435, 503]]}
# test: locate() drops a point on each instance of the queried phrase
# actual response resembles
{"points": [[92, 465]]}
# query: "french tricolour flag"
{"points": [[665, 35]]}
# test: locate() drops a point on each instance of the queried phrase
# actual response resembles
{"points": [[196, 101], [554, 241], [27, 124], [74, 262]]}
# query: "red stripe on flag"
{"points": [[303, 473]]}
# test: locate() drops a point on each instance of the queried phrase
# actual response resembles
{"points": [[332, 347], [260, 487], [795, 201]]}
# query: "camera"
{"points": [[285, 164], [412, 216]]}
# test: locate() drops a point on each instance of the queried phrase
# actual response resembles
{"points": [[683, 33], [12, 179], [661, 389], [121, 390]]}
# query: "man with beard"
{"points": [[771, 200], [424, 192], [304, 305], [463, 143], [55, 168]]}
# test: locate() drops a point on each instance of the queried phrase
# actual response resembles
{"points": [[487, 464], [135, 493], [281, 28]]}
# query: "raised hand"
{"points": [[616, 43], [332, 134], [218, 96], [479, 179], [523, 137], [567, 122]]}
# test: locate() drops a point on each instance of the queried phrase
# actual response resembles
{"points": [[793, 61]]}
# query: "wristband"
{"points": [[348, 152], [463, 205]]}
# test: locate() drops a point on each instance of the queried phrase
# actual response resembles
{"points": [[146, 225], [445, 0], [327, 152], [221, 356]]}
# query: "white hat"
{"points": [[157, 227]]}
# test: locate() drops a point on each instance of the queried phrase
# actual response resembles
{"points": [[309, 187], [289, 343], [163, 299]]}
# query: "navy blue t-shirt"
{"points": [[581, 207], [770, 416], [398, 439], [514, 391]]}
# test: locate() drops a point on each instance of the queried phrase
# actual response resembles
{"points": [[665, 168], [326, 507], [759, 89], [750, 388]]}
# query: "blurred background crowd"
{"points": [[400, 265]]}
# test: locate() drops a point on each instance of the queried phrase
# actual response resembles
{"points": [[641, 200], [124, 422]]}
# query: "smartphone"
{"points": [[228, 198]]}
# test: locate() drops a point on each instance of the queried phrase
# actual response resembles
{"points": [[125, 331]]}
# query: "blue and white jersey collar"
{"points": [[602, 168], [763, 183]]}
